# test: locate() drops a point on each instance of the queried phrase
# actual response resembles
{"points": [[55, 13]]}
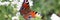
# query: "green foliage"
{"points": [[44, 6], [40, 6], [6, 12]]}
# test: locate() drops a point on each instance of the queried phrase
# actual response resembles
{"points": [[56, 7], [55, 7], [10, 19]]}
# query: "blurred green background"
{"points": [[40, 6]]}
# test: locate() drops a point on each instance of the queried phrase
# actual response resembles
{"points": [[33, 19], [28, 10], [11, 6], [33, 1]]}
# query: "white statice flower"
{"points": [[21, 0], [19, 5], [15, 18], [30, 3], [15, 0], [18, 14], [0, 3], [4, 3], [13, 3], [10, 0], [55, 17]]}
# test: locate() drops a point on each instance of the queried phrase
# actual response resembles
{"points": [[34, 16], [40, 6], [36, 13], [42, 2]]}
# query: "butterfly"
{"points": [[26, 12]]}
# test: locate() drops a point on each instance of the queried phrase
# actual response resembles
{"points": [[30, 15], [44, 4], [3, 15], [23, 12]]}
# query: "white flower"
{"points": [[55, 17], [4, 3], [18, 14], [19, 5], [0, 3], [15, 18], [30, 3], [21, 0]]}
